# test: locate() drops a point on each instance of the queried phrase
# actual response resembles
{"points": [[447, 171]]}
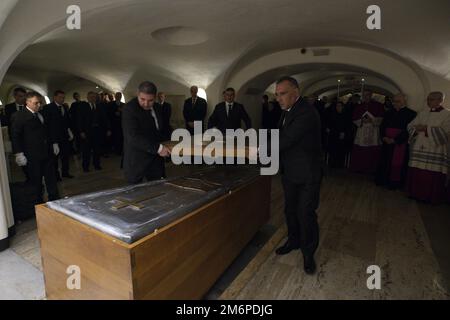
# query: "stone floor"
{"points": [[361, 225]]}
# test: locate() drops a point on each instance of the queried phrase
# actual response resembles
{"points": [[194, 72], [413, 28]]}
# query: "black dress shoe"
{"points": [[309, 265], [58, 178], [98, 168], [86, 170], [68, 176], [286, 248]]}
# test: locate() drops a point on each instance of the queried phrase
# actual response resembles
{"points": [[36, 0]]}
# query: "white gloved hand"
{"points": [[21, 160], [55, 149], [70, 134]]}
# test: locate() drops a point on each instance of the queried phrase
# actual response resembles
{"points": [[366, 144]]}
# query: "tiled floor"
{"points": [[361, 225], [19, 279]]}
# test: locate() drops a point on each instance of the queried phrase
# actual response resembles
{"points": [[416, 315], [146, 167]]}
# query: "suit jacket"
{"points": [[73, 114], [30, 136], [195, 112], [141, 142], [270, 118], [114, 112], [56, 122], [89, 119], [222, 121], [301, 157], [166, 111], [10, 109]]}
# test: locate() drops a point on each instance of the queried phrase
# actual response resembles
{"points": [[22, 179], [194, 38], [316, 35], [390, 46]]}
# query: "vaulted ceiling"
{"points": [[197, 41]]}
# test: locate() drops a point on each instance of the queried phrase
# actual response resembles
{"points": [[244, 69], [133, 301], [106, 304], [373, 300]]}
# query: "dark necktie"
{"points": [[36, 116], [283, 119], [230, 106], [20, 108], [152, 114]]}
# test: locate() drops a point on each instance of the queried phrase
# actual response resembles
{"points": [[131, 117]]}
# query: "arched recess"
{"points": [[331, 92], [353, 81], [289, 62]]}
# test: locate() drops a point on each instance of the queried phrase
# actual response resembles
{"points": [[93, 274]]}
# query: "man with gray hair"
{"points": [[143, 133], [194, 109], [430, 152], [393, 163]]}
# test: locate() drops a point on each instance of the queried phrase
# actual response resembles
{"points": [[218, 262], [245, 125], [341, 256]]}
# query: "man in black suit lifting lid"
{"points": [[143, 130], [35, 147], [301, 170]]}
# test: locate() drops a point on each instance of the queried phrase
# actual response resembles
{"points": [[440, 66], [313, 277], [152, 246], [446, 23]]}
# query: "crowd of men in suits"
{"points": [[96, 127]]}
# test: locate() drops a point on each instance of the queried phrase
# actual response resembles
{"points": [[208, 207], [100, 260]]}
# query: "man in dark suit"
{"points": [[115, 109], [17, 105], [93, 124], [229, 114], [301, 170], [194, 109], [166, 111], [34, 147], [58, 122], [142, 128], [74, 107]]}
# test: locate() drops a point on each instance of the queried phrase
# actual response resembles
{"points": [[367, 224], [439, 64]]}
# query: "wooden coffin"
{"points": [[181, 260]]}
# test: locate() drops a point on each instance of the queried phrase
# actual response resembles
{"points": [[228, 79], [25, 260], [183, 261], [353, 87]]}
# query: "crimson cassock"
{"points": [[393, 162]]}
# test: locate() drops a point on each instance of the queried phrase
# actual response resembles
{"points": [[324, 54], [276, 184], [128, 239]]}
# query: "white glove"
{"points": [[21, 160], [70, 134], [55, 149]]}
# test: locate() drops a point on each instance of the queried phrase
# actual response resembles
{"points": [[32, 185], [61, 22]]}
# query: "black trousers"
{"points": [[91, 147], [64, 154], [301, 203], [117, 137], [37, 169]]}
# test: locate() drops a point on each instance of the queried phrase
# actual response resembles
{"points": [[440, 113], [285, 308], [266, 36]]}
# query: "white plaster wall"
{"points": [[436, 83]]}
